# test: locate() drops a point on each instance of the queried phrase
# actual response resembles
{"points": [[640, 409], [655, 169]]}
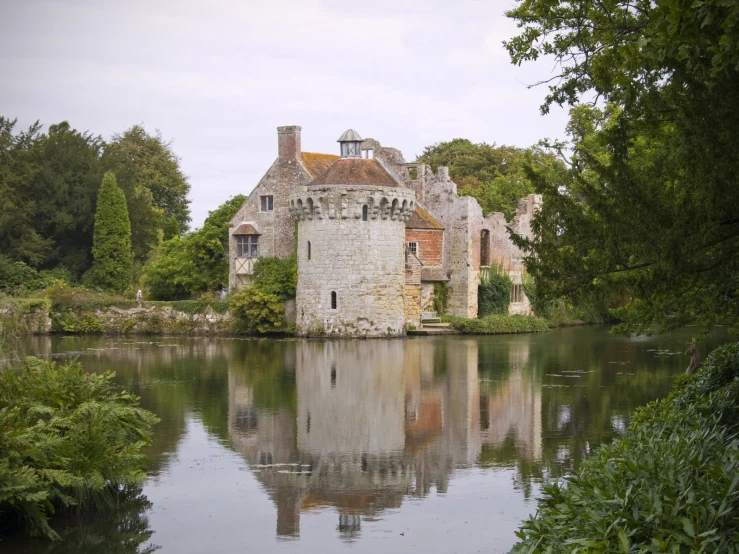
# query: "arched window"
{"points": [[333, 299], [309, 250], [364, 212]]}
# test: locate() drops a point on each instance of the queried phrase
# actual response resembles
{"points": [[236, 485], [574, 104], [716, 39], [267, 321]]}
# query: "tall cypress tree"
{"points": [[111, 246]]}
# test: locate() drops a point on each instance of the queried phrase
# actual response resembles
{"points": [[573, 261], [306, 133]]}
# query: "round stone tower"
{"points": [[351, 247]]}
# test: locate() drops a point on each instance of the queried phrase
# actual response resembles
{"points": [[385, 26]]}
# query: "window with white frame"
{"points": [[247, 246], [413, 247], [267, 203]]}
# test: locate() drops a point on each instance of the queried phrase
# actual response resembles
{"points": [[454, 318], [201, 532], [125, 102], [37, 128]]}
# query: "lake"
{"points": [[433, 443]]}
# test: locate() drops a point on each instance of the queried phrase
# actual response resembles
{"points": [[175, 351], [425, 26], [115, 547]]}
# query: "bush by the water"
{"points": [[497, 324], [260, 308], [70, 440], [494, 292], [670, 484]]}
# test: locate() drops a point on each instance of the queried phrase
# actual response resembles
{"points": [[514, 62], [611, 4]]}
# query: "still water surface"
{"points": [[439, 444]]}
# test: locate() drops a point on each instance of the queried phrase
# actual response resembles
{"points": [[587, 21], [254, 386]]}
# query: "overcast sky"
{"points": [[217, 77]]}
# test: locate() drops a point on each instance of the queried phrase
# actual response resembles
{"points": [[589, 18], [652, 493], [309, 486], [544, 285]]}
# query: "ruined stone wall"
{"points": [[430, 243], [502, 248], [363, 262], [461, 217]]}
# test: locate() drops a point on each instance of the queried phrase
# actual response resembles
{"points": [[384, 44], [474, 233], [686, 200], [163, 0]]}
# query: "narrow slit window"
{"points": [[309, 250], [333, 376], [364, 212], [333, 299]]}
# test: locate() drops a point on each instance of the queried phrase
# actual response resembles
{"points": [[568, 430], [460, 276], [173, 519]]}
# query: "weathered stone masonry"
{"points": [[361, 262]]}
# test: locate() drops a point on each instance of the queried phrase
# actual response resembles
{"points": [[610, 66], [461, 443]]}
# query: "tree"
{"points": [[149, 173], [648, 207], [64, 191], [196, 262], [111, 247], [19, 238], [494, 175]]}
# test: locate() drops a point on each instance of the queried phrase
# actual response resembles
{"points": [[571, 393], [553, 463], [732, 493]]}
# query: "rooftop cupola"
{"points": [[351, 144]]}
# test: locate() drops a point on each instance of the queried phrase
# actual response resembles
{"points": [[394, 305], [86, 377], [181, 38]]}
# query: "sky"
{"points": [[217, 77]]}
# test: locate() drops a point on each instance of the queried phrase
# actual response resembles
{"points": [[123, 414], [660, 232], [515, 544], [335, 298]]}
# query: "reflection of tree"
{"points": [[118, 531]]}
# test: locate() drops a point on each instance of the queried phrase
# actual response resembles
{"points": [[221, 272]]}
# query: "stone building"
{"points": [[375, 235]]}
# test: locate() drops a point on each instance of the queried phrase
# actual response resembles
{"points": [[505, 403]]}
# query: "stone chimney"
{"points": [[288, 142], [443, 173]]}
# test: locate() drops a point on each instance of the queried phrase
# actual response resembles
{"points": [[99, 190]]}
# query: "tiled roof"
{"points": [[246, 229], [433, 274], [355, 171], [315, 163], [422, 219]]}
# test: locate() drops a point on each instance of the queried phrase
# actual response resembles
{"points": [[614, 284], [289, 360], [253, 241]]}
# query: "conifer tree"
{"points": [[111, 247]]}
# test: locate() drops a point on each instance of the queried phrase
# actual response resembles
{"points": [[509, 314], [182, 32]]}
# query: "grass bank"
{"points": [[496, 324], [670, 484]]}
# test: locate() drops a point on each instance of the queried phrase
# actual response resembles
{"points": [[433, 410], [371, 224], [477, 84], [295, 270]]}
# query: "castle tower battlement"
{"points": [[349, 202]]}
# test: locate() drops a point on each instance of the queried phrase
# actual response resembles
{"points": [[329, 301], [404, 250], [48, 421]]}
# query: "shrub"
{"points": [[256, 310], [278, 276], [70, 439], [497, 324], [670, 484], [441, 297], [112, 267], [494, 292]]}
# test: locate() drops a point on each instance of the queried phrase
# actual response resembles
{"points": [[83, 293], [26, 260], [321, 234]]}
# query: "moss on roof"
{"points": [[316, 163], [422, 219]]}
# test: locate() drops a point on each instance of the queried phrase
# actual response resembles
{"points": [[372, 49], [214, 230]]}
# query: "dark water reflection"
{"points": [[434, 443]]}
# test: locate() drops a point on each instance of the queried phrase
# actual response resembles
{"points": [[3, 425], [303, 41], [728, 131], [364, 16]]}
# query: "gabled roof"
{"points": [[422, 219], [355, 171], [246, 229], [315, 163]]}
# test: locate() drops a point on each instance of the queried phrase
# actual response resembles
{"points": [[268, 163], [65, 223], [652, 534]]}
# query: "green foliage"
{"points": [[494, 292], [670, 484], [19, 238], [497, 324], [18, 277], [70, 439], [111, 249], [494, 175], [278, 276], [156, 190], [64, 192], [255, 310], [647, 209], [440, 297], [194, 263]]}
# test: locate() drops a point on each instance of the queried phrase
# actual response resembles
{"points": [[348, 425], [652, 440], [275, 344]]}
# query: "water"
{"points": [[435, 443]]}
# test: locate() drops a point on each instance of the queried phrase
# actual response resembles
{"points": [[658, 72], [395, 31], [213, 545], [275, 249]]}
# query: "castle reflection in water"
{"points": [[376, 421]]}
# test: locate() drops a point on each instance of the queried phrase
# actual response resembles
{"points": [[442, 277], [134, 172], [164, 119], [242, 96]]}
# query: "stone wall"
{"points": [[142, 317], [365, 268], [460, 216], [412, 302], [276, 228]]}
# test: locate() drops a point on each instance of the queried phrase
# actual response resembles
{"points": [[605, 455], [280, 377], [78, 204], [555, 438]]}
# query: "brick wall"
{"points": [[430, 244]]}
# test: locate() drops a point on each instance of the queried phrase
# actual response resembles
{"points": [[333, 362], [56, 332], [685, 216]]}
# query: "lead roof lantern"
{"points": [[351, 144]]}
